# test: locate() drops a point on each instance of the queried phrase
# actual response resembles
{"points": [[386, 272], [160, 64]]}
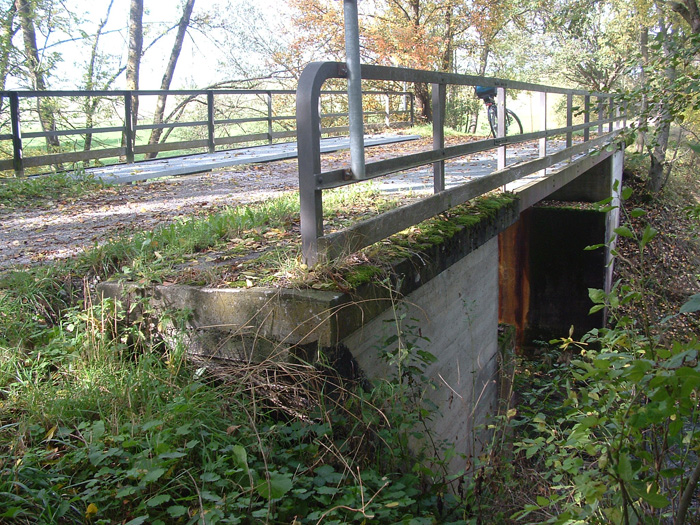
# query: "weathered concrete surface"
{"points": [[258, 323], [445, 300], [455, 317], [449, 294]]}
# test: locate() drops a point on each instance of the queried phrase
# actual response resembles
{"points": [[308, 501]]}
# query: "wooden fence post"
{"points": [[18, 155], [586, 117], [128, 129], [269, 117], [569, 118], [211, 144]]}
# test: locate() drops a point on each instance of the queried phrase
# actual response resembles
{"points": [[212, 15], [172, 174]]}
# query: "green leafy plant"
{"points": [[619, 443]]}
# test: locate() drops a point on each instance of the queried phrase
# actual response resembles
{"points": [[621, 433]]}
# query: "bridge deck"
{"points": [[199, 163]]}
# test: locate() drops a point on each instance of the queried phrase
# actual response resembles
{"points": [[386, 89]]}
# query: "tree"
{"points": [[170, 71], [592, 41], [37, 70], [669, 81], [95, 78], [9, 29], [135, 51], [403, 33], [688, 9]]}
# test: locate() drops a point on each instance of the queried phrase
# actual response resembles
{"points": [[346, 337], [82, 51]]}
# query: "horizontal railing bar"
{"points": [[171, 146], [157, 92], [220, 141], [173, 125], [392, 93], [335, 129], [336, 178], [145, 92], [66, 132], [418, 75], [283, 134], [76, 156], [365, 113], [242, 120], [380, 227]]}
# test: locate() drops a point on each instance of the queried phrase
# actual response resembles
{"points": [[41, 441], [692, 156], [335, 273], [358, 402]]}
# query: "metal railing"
{"points": [[313, 181], [213, 122]]}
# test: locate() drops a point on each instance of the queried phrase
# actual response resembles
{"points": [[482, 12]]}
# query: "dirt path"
{"points": [[54, 230], [62, 229]]}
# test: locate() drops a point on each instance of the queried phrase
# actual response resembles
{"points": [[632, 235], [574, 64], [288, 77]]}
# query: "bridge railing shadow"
{"points": [[595, 118], [67, 130]]}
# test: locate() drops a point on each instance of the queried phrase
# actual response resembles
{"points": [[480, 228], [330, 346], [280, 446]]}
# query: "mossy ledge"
{"points": [[263, 322]]}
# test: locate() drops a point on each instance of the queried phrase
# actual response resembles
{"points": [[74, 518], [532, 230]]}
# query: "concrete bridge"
{"points": [[514, 274]]}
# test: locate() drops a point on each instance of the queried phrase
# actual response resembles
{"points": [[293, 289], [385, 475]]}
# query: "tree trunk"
{"points": [[425, 113], [643, 110], [688, 9], [91, 103], [8, 32], [169, 72], [447, 53], [657, 172], [133, 63], [46, 115]]}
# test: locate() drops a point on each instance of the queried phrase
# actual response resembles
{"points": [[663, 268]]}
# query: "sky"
{"points": [[199, 61]]}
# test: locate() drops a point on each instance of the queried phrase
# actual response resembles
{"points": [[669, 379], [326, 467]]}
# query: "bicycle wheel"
{"points": [[492, 113], [513, 124]]}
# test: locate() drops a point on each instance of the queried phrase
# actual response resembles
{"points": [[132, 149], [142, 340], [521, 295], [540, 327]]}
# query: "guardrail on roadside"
{"points": [[313, 181], [214, 121]]}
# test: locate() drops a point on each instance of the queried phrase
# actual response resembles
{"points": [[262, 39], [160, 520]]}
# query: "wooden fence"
{"points": [[63, 130]]}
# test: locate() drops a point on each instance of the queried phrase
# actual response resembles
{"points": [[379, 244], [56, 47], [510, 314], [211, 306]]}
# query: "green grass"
{"points": [[44, 190], [104, 420]]}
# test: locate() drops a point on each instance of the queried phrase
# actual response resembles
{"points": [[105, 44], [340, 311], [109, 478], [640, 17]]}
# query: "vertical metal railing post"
{"points": [[128, 128], [501, 104], [211, 144], [17, 153], [543, 126], [309, 157], [601, 115], [586, 117], [269, 117], [413, 109], [569, 118], [355, 113], [439, 100], [611, 113]]}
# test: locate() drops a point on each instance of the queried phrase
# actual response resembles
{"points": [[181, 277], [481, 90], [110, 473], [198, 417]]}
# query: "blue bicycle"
{"points": [[513, 124]]}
